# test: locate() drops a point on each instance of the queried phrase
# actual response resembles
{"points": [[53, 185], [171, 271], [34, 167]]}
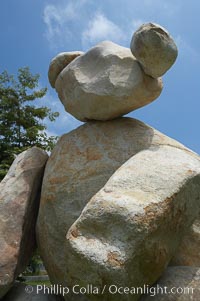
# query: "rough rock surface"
{"points": [[19, 202], [59, 63], [19, 292], [104, 83], [188, 253], [154, 48], [132, 226], [182, 284]]}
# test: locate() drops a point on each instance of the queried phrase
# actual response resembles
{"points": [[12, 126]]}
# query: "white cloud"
{"points": [[56, 18], [53, 19], [101, 28], [86, 22]]}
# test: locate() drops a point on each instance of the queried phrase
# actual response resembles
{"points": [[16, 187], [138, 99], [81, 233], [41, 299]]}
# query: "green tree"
{"points": [[21, 120]]}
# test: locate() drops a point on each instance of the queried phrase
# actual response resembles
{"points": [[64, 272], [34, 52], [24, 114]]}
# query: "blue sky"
{"points": [[34, 31]]}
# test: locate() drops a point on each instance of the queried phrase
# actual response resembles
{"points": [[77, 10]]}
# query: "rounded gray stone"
{"points": [[154, 48], [59, 62]]}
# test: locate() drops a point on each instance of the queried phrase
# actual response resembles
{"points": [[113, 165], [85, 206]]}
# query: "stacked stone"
{"points": [[118, 197]]}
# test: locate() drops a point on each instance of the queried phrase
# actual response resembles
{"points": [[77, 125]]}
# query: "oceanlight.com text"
{"points": [[111, 289]]}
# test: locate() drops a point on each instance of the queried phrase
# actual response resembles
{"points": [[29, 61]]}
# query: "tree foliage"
{"points": [[21, 120]]}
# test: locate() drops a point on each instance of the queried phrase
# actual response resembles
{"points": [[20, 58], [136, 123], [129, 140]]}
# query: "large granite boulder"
{"points": [[19, 203], [131, 228], [143, 193], [154, 48], [104, 83], [188, 253], [176, 284]]}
